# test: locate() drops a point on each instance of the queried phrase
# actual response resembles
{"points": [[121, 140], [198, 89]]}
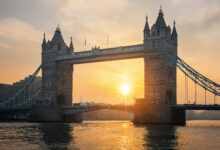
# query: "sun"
{"points": [[125, 88]]}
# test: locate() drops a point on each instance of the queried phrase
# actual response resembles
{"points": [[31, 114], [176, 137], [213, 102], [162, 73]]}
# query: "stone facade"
{"points": [[159, 71], [159, 77], [8, 90], [56, 76]]}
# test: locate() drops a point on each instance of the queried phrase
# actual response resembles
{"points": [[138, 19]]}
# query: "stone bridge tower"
{"points": [[56, 76], [159, 76], [160, 72]]}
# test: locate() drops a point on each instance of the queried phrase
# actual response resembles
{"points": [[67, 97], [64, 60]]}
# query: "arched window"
{"points": [[170, 76], [63, 83], [59, 46]]}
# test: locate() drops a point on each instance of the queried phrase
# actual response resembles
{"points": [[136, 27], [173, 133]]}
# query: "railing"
{"points": [[102, 52], [197, 107]]}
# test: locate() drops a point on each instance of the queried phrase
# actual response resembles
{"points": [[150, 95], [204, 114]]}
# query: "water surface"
{"points": [[118, 135]]}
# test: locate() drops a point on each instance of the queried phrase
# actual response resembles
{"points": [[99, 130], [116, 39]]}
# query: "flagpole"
{"points": [[107, 40], [85, 43]]}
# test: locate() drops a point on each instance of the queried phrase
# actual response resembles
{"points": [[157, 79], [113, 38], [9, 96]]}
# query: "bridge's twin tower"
{"points": [[56, 77], [159, 76], [159, 73]]}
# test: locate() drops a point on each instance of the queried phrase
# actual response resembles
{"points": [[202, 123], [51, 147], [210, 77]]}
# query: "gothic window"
{"points": [[63, 83], [170, 75], [59, 46], [151, 93], [158, 93], [153, 44]]}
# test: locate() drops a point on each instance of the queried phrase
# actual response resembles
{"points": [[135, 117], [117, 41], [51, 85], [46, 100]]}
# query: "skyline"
{"points": [[17, 37]]}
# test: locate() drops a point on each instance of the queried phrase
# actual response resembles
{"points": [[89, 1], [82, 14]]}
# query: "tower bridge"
{"points": [[159, 51]]}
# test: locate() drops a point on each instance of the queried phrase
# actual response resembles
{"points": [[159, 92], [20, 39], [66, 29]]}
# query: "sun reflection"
{"points": [[124, 125]]}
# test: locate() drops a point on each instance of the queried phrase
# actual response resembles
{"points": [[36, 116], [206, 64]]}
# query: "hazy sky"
{"points": [[23, 22]]}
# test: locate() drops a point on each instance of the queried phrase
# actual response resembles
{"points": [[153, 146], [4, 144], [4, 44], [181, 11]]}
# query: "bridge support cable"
{"points": [[195, 93], [23, 88], [186, 90], [200, 79], [214, 99], [205, 96], [31, 101]]}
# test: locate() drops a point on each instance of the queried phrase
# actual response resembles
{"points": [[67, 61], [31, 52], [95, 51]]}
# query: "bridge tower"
{"points": [[159, 74], [56, 80], [56, 76]]}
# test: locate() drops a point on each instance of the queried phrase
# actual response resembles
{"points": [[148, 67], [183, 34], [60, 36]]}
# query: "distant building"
{"points": [[7, 90]]}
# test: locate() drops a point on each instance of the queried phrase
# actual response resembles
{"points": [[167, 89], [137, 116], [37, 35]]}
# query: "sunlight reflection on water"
{"points": [[101, 135]]}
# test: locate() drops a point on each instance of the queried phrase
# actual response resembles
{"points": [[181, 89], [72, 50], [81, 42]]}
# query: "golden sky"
{"points": [[22, 24]]}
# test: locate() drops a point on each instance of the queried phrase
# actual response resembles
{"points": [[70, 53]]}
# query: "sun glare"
{"points": [[125, 88]]}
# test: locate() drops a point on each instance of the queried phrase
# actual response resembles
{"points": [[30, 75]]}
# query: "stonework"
{"points": [[160, 72], [56, 76]]}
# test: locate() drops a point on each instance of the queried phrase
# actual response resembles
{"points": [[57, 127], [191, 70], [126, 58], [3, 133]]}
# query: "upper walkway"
{"points": [[97, 55]]}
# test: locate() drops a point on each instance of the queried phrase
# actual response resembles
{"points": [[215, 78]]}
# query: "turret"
{"points": [[57, 37], [160, 24], [174, 35], [71, 48], [146, 30], [44, 44]]}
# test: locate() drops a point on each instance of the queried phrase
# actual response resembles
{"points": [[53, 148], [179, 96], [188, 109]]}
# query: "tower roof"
{"points": [[57, 37], [146, 28], [44, 40], [174, 33], [160, 22], [71, 43]]}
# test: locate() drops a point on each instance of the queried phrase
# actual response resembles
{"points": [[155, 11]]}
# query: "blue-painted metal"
{"points": [[198, 78], [22, 89], [197, 107]]}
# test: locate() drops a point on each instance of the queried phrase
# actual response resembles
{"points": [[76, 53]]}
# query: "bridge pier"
{"points": [[158, 114], [52, 114], [45, 114], [73, 118]]}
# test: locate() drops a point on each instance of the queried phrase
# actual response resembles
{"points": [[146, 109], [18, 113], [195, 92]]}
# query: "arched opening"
{"points": [[63, 83], [61, 100], [169, 96]]}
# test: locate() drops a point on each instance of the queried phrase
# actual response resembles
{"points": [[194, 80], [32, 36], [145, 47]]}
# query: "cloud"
{"points": [[123, 21], [20, 49], [15, 29], [6, 46]]}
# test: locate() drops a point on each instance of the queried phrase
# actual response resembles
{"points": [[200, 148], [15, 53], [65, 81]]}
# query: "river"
{"points": [[109, 135]]}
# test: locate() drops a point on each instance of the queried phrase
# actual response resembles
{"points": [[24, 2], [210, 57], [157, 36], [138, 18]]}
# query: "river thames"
{"points": [[101, 135]]}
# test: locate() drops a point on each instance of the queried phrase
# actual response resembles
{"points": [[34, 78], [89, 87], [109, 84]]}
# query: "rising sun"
{"points": [[125, 88]]}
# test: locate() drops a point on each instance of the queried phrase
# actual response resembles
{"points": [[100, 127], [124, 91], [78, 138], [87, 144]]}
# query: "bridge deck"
{"points": [[67, 110], [197, 107]]}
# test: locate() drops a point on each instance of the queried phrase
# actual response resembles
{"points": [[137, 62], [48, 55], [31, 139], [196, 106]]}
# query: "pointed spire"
{"points": [[174, 33], [174, 29], [58, 28], [146, 28], [71, 44], [161, 11], [160, 22], [57, 37], [44, 40]]}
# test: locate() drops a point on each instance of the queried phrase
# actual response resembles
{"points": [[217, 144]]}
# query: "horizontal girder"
{"points": [[98, 55]]}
